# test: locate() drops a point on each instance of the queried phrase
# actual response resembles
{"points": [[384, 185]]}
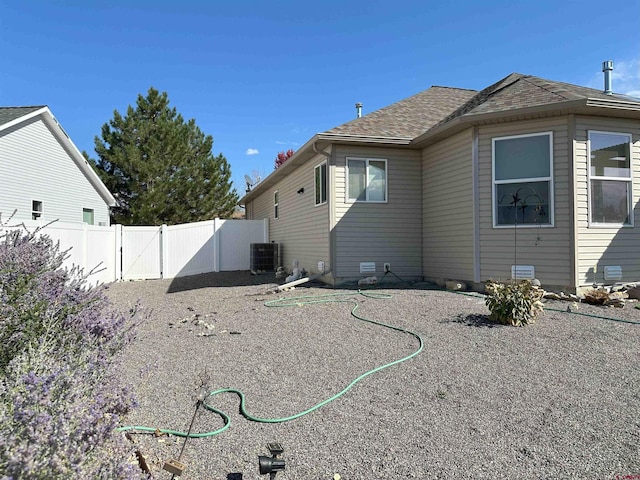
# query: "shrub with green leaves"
{"points": [[60, 396], [514, 303]]}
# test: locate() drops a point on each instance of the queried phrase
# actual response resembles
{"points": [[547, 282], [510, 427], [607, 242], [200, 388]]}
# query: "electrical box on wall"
{"points": [[320, 266]]}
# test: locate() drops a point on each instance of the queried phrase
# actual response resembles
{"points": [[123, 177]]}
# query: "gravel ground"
{"points": [[557, 399]]}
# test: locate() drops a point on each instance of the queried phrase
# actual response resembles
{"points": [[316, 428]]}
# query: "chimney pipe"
{"points": [[358, 110], [607, 68]]}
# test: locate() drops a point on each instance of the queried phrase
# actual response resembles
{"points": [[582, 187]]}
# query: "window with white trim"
{"points": [[610, 178], [320, 182], [87, 216], [36, 209], [523, 180], [366, 180], [276, 204]]}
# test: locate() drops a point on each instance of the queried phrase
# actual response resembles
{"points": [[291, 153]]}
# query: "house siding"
{"points": [[302, 228], [447, 205], [35, 166], [548, 249], [599, 246], [388, 232]]}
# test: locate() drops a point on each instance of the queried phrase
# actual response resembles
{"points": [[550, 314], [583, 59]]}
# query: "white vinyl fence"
{"points": [[136, 253]]}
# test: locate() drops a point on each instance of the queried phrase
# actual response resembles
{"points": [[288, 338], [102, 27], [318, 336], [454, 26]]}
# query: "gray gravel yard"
{"points": [[557, 399]]}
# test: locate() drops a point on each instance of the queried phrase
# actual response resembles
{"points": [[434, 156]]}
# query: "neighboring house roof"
{"points": [[14, 116], [441, 111], [7, 114]]}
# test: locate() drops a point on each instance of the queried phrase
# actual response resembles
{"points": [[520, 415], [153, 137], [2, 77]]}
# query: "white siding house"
{"points": [[43, 176]]}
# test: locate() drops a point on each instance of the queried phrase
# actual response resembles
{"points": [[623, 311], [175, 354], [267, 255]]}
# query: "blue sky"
{"points": [[262, 77]]}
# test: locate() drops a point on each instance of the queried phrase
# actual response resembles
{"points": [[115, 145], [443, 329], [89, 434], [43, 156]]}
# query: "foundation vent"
{"points": [[523, 272], [367, 267], [613, 272]]}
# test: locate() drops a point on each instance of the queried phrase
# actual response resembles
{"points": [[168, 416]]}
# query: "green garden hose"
{"points": [[601, 317], [297, 302]]}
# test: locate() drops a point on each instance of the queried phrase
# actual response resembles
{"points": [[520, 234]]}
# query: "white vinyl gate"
{"points": [[141, 253], [191, 248], [136, 253]]}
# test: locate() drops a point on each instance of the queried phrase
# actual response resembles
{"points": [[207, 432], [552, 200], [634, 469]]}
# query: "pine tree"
{"points": [[160, 168]]}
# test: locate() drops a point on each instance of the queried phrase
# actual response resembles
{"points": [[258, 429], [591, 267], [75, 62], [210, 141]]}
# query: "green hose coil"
{"points": [[297, 302]]}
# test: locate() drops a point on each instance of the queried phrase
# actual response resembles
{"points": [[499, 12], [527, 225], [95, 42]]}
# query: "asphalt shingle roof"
{"points": [[521, 91], [407, 118], [413, 116], [8, 114]]}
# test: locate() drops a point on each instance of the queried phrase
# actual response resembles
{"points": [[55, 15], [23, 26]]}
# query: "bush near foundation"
{"points": [[60, 400], [514, 303]]}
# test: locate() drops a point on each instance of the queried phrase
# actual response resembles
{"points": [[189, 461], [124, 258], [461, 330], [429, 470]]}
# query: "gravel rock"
{"points": [[556, 399]]}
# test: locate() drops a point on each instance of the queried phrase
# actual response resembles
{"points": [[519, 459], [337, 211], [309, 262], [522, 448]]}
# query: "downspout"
{"points": [[475, 201], [574, 259], [320, 152], [330, 208]]}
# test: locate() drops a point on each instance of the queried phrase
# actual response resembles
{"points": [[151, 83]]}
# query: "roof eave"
{"points": [[299, 157], [71, 148], [78, 158], [307, 151], [582, 105], [614, 103], [24, 118], [345, 138]]}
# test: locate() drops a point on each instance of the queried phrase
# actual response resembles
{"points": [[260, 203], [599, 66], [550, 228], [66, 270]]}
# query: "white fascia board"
{"points": [[77, 156], [613, 103], [281, 171], [335, 137]]}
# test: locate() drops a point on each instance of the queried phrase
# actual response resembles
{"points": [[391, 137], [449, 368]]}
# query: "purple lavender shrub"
{"points": [[60, 400]]}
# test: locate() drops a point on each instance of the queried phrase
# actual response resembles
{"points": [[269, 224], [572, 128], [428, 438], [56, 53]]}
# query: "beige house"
{"points": [[528, 178]]}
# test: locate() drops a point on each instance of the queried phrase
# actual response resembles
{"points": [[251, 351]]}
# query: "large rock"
{"points": [[634, 292]]}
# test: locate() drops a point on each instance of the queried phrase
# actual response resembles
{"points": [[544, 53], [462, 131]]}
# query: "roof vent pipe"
{"points": [[607, 68], [358, 110]]}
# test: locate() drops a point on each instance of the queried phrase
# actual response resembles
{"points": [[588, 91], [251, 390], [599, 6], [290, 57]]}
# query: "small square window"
{"points": [[36, 209], [367, 180]]}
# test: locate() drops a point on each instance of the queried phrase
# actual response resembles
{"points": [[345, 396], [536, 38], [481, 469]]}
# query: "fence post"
{"points": [[117, 255], [164, 251], [216, 244], [85, 248]]}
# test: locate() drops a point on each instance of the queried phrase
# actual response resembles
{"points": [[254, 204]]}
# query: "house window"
{"points": [[36, 209], [523, 180], [276, 203], [610, 178], [321, 183], [87, 216], [367, 180]]}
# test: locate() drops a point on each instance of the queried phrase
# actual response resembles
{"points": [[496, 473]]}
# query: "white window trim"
{"points": [[549, 179], [629, 180], [276, 205], [93, 214], [326, 184], [386, 181]]}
